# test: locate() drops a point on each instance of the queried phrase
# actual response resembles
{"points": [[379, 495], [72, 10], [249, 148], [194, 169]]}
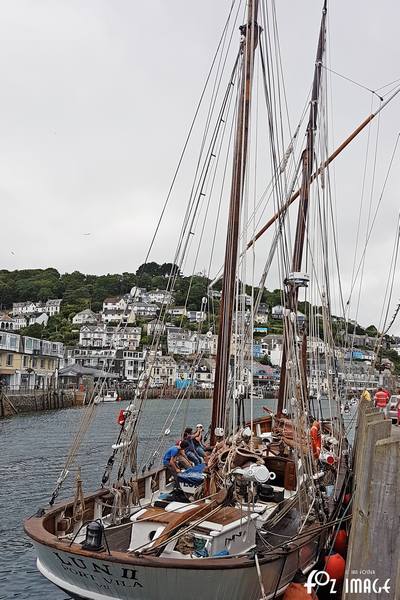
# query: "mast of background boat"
{"points": [[307, 172], [249, 43]]}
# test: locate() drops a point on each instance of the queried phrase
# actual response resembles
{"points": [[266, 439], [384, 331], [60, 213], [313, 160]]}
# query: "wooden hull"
{"points": [[99, 576]]}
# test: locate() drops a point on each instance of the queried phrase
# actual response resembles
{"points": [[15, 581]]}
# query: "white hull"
{"points": [[85, 577]]}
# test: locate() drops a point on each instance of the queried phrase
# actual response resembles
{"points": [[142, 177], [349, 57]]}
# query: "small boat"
{"points": [[109, 396]]}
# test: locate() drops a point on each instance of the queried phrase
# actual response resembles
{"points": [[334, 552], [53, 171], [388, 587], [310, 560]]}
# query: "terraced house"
{"points": [[27, 362]]}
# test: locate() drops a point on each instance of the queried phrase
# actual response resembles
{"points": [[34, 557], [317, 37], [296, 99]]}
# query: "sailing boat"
{"points": [[271, 496]]}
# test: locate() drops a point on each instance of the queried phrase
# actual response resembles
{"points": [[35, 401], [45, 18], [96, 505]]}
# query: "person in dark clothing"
{"points": [[191, 450]]}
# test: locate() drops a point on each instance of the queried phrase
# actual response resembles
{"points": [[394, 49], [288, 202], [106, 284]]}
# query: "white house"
{"points": [[162, 371], [127, 337], [262, 314], [137, 293], [112, 315], [83, 317], [155, 326], [204, 374], [133, 364], [278, 311], [91, 336], [103, 336], [95, 358], [23, 308], [160, 296], [115, 303], [177, 311], [316, 345], [39, 318], [180, 341], [196, 316], [19, 322], [185, 342], [145, 309], [6, 322], [272, 346], [51, 307]]}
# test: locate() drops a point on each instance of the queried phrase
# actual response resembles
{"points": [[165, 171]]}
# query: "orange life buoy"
{"points": [[340, 544], [335, 566], [315, 433]]}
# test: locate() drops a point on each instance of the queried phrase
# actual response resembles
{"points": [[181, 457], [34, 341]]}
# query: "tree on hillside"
{"points": [[154, 269], [371, 330], [265, 360], [35, 331], [150, 268]]}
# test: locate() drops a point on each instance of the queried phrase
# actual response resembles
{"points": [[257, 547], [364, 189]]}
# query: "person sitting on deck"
{"points": [[174, 458], [191, 453], [198, 441]]}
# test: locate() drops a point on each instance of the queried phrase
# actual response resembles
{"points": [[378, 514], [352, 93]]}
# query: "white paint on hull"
{"points": [[105, 580]]}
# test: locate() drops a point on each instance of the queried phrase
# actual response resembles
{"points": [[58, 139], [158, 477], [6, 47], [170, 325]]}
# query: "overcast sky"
{"points": [[96, 98]]}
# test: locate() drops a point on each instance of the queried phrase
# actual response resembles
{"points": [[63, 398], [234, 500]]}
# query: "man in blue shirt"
{"points": [[174, 458]]}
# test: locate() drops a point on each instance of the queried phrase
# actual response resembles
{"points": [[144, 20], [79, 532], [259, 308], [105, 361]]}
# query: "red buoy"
{"points": [[335, 566], [121, 417], [346, 499], [340, 544]]}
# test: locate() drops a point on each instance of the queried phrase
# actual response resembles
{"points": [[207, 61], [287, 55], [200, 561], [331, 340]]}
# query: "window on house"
{"points": [[10, 358], [42, 363], [25, 361]]}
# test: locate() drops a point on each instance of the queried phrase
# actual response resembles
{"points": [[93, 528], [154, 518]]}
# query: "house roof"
{"points": [[86, 311], [78, 370], [112, 300], [4, 317]]}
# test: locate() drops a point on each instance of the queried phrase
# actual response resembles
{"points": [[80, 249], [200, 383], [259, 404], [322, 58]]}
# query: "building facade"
{"points": [[27, 362]]}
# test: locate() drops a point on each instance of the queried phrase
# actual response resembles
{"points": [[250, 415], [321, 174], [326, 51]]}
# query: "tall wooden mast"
{"points": [[307, 173], [250, 33]]}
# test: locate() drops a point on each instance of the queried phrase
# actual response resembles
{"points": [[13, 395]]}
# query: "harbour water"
{"points": [[33, 448]]}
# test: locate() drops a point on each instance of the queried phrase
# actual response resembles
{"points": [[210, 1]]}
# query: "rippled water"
{"points": [[33, 448]]}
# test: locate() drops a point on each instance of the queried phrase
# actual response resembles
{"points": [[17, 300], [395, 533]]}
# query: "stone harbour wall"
{"points": [[38, 400]]}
